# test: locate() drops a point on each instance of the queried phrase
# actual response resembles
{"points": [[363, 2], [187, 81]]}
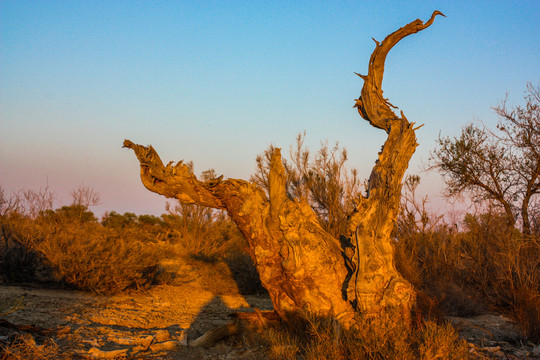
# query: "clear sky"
{"points": [[217, 81]]}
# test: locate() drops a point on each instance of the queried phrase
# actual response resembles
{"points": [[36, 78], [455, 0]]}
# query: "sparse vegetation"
{"points": [[321, 338], [486, 265], [323, 179], [496, 252], [502, 167], [70, 246], [457, 269]]}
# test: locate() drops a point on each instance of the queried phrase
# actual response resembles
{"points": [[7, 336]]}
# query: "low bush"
{"points": [[69, 246], [504, 265], [485, 265], [82, 254]]}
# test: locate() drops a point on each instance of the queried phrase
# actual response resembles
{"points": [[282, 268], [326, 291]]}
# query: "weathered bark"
{"points": [[301, 265], [376, 282]]}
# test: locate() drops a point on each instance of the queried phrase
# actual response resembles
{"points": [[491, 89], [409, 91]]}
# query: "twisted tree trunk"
{"points": [[301, 265]]}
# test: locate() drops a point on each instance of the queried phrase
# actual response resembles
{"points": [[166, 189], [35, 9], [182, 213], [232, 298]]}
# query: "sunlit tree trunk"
{"points": [[302, 266]]}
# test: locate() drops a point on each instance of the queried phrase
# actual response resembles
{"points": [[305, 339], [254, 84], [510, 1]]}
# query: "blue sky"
{"points": [[217, 82]]}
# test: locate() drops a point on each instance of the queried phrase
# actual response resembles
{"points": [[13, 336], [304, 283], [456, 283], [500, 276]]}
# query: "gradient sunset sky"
{"points": [[217, 82]]}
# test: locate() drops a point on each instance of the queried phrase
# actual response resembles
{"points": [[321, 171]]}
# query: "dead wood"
{"points": [[242, 322], [302, 266]]}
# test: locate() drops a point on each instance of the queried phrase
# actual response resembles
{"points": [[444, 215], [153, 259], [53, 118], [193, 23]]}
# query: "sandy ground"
{"points": [[147, 324], [158, 323], [87, 321]]}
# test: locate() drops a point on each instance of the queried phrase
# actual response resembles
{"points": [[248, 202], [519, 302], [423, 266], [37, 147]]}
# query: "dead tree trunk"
{"points": [[300, 264]]}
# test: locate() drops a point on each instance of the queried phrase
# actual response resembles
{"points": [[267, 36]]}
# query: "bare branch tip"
{"points": [[215, 182], [437, 12], [364, 77], [431, 19], [127, 144], [277, 152]]}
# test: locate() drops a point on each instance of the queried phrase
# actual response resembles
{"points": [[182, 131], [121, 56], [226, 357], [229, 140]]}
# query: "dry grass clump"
{"points": [[202, 232], [91, 259], [385, 338], [24, 347]]}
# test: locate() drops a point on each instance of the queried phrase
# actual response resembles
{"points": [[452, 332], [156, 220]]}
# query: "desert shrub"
{"points": [[499, 167], [113, 220], [316, 338], [79, 214], [69, 246], [432, 262], [428, 256], [322, 179], [440, 342], [82, 254], [460, 269], [504, 265], [202, 232], [19, 258], [144, 228], [88, 258]]}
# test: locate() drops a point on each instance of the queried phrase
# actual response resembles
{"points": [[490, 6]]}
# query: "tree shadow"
{"points": [[245, 274], [218, 311], [215, 313]]}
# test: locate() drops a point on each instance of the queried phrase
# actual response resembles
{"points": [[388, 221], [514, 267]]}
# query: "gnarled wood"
{"points": [[377, 284], [301, 265], [296, 259]]}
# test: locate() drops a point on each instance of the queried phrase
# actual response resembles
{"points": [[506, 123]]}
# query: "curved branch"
{"points": [[371, 105], [373, 281], [173, 181], [295, 257]]}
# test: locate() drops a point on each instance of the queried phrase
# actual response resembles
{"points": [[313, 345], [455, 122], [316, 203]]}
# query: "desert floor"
{"points": [[159, 323]]}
